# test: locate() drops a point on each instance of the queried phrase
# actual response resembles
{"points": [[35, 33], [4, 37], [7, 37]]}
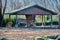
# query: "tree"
{"points": [[2, 11], [26, 2], [16, 4]]}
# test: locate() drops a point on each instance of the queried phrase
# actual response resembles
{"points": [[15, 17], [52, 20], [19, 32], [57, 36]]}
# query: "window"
{"points": [[38, 19]]}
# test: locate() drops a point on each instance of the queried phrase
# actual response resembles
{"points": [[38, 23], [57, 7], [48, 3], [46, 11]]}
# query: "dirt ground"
{"points": [[26, 34]]}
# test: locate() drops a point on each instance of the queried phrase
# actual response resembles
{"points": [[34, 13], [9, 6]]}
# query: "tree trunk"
{"points": [[1, 17], [2, 11]]}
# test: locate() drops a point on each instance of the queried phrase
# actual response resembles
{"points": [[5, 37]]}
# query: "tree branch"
{"points": [[4, 7], [0, 6]]}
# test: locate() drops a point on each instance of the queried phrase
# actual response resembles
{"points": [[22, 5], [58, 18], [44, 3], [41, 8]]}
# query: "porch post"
{"points": [[9, 17], [16, 25], [42, 21], [27, 20], [34, 19], [59, 20], [51, 20]]}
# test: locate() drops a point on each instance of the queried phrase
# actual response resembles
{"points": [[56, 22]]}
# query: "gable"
{"points": [[33, 10]]}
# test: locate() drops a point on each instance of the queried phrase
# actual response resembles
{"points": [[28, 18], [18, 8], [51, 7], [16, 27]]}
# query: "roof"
{"points": [[27, 7]]}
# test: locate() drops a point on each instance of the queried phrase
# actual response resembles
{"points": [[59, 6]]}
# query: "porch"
{"points": [[31, 13], [38, 21]]}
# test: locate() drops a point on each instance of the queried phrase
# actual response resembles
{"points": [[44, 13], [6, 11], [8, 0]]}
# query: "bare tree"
{"points": [[17, 4], [26, 2], [2, 11]]}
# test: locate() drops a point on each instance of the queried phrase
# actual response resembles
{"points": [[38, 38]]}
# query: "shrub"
{"points": [[46, 38], [5, 21]]}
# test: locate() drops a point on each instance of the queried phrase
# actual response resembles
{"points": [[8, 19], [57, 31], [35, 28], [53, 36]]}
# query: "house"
{"points": [[30, 12]]}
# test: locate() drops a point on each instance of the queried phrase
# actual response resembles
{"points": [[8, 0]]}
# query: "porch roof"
{"points": [[29, 10]]}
